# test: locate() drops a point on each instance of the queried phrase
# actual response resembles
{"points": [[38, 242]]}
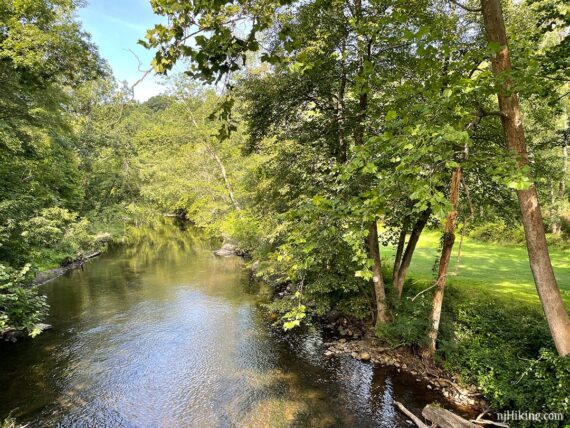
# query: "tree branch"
{"points": [[410, 415], [468, 9]]}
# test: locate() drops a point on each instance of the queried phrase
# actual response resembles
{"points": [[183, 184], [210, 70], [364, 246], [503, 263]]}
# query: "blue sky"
{"points": [[115, 27]]}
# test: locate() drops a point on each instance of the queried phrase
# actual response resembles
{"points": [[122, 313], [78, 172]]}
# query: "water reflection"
{"points": [[165, 334]]}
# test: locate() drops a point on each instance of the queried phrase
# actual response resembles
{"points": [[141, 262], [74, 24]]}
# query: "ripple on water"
{"points": [[176, 340]]}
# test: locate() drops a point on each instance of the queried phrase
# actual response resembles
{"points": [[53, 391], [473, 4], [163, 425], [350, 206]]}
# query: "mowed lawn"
{"points": [[503, 271]]}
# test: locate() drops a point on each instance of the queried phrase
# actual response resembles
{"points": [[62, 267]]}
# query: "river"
{"points": [[164, 334]]}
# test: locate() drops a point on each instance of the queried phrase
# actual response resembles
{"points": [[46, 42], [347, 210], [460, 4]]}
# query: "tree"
{"points": [[512, 122]]}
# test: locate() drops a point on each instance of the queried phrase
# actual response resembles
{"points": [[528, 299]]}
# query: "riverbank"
{"points": [[495, 354], [51, 274], [367, 347], [13, 334], [147, 324], [372, 349]]}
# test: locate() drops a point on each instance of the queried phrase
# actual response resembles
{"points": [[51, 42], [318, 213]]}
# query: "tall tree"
{"points": [[446, 249], [512, 122]]}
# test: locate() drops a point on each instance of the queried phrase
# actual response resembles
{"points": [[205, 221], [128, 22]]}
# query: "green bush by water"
{"points": [[21, 305], [502, 346]]}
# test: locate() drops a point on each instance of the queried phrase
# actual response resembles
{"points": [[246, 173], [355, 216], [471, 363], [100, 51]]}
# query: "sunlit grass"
{"points": [[502, 271]]}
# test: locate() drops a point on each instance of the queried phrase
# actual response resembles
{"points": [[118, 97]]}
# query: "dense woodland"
{"points": [[313, 135]]}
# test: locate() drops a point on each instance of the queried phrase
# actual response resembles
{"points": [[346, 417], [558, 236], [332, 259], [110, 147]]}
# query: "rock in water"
{"points": [[364, 356], [43, 327], [226, 250]]}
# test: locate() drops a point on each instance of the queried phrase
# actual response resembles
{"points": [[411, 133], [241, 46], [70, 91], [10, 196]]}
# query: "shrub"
{"points": [[506, 350], [557, 240], [21, 305], [498, 232], [409, 324], [565, 225], [244, 229], [57, 234]]}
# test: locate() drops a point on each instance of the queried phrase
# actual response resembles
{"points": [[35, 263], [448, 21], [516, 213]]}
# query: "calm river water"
{"points": [[164, 334]]}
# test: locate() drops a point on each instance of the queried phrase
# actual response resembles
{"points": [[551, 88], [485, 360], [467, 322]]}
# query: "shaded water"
{"points": [[166, 334]]}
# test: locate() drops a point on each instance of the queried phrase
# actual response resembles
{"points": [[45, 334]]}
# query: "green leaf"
{"points": [[391, 115]]}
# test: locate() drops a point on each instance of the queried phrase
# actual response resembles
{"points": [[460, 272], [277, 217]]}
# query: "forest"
{"points": [[397, 167]]}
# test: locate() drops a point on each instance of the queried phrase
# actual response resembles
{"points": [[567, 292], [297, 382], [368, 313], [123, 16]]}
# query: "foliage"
{"points": [[507, 354], [45, 59], [498, 232], [338, 116], [409, 324], [57, 235], [21, 306]]}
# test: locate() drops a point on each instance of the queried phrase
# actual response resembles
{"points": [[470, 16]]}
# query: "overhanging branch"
{"points": [[468, 9]]}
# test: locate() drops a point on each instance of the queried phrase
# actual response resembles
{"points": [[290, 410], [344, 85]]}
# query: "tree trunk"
{"points": [[511, 118], [446, 250], [372, 239], [224, 176], [377, 280], [398, 282], [342, 148]]}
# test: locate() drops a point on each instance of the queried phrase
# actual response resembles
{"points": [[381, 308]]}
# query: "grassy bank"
{"points": [[500, 271], [493, 332]]}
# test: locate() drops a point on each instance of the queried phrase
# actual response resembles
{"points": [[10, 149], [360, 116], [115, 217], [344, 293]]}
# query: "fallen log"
{"points": [[12, 334], [410, 415], [445, 419], [95, 254]]}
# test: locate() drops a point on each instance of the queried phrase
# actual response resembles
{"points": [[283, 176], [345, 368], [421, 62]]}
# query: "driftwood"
{"points": [[410, 415], [445, 419], [12, 334], [459, 389]]}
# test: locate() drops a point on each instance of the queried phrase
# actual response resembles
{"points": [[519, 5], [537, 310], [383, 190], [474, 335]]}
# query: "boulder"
{"points": [[227, 250]]}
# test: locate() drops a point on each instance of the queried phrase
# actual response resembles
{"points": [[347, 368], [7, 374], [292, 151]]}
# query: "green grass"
{"points": [[489, 269]]}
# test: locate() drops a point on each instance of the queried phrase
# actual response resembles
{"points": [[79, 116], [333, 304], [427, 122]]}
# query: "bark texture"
{"points": [[446, 250], [377, 280], [511, 118], [400, 275]]}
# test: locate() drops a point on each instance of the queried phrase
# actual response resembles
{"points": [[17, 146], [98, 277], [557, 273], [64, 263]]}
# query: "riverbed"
{"points": [[163, 333]]}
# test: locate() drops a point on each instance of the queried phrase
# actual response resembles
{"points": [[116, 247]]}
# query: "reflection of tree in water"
{"points": [[280, 380], [166, 319], [162, 242], [298, 386]]}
